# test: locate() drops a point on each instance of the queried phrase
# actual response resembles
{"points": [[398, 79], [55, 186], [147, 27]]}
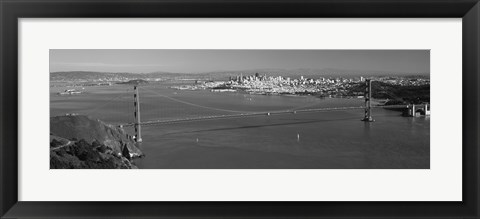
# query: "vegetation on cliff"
{"points": [[81, 154], [396, 94], [81, 142]]}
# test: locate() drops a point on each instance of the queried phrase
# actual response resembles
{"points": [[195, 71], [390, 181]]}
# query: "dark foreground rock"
{"points": [[81, 154], [82, 127], [82, 142]]}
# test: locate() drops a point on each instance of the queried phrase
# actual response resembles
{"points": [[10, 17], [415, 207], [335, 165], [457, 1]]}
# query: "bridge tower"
{"points": [[368, 104], [136, 103]]}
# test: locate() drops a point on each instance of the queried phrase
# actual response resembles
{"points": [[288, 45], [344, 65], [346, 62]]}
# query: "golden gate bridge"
{"points": [[367, 116]]}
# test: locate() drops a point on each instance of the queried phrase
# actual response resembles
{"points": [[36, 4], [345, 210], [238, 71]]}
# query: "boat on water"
{"points": [[70, 92]]}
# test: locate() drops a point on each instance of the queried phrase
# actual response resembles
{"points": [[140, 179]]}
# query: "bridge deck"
{"points": [[202, 118]]}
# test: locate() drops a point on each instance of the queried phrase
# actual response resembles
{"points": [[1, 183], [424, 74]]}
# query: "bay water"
{"points": [[313, 140]]}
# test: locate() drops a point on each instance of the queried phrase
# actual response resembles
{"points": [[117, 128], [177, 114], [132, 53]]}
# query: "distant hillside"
{"points": [[109, 76], [310, 73], [219, 75], [86, 75]]}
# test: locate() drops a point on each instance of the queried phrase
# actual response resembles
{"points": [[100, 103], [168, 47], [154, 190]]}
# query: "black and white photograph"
{"points": [[239, 109]]}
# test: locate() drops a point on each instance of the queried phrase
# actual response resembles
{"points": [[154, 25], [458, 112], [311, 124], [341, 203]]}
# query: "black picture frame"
{"points": [[12, 10]]}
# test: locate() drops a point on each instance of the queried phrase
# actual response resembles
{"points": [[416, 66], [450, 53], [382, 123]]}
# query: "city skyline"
{"points": [[201, 61]]}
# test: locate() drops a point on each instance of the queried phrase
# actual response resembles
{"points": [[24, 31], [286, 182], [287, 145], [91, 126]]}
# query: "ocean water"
{"points": [[318, 140]]}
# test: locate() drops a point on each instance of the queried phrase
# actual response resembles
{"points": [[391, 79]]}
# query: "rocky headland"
{"points": [[78, 141]]}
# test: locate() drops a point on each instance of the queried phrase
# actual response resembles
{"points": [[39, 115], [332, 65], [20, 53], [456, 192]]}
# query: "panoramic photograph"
{"points": [[239, 109]]}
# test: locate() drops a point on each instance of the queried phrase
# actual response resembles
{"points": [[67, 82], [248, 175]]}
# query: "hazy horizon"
{"points": [[204, 61]]}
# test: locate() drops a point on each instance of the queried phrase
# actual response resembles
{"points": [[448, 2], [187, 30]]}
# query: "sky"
{"points": [[197, 61]]}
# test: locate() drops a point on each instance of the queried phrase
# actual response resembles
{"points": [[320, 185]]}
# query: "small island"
{"points": [[134, 82]]}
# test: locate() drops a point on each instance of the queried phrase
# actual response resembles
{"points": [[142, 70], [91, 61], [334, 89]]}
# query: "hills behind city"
{"points": [[221, 75]]}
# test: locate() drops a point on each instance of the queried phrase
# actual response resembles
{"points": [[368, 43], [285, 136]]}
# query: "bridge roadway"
{"points": [[202, 118]]}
